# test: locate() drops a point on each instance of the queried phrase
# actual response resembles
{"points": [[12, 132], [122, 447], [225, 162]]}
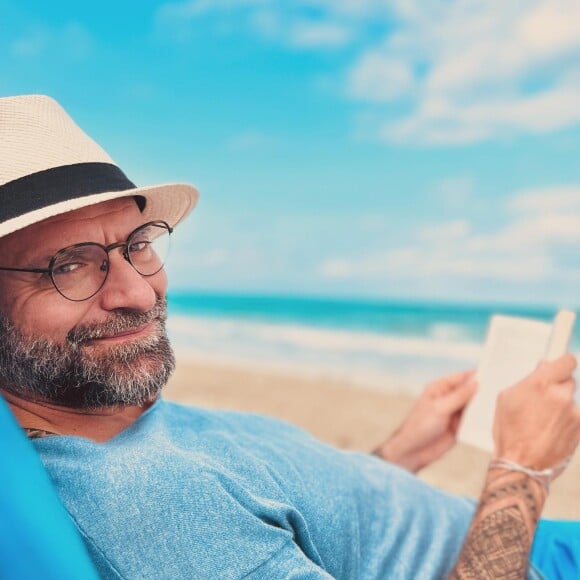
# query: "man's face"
{"points": [[109, 350]]}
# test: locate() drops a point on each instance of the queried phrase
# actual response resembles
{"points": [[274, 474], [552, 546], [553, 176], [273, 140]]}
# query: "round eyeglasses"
{"points": [[79, 271]]}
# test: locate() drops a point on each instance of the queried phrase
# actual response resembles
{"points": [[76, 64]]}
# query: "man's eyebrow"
{"points": [[71, 250], [38, 261]]}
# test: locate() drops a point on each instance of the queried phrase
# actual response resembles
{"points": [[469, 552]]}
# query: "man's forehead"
{"points": [[51, 234], [106, 208]]}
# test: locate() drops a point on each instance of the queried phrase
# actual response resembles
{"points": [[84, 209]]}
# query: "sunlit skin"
{"points": [[34, 305]]}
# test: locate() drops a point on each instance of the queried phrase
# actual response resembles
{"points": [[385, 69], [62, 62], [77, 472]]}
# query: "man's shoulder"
{"points": [[228, 419]]}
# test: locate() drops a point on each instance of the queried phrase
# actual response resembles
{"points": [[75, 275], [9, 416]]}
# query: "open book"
{"points": [[513, 348]]}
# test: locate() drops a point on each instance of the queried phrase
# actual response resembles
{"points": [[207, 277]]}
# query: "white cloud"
{"points": [[380, 78], [440, 120], [304, 24], [476, 61], [446, 232], [551, 27], [464, 70], [306, 34], [456, 192], [527, 249], [426, 264], [189, 9], [534, 233], [547, 200]]}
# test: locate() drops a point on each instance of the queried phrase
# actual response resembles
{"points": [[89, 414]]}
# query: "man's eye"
{"points": [[139, 246], [68, 268]]}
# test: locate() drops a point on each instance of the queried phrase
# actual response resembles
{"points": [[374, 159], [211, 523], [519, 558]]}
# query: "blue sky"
{"points": [[400, 149]]}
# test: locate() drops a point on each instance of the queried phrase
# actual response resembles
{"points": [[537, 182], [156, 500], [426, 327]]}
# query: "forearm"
{"points": [[395, 451], [385, 449], [500, 538], [404, 451]]}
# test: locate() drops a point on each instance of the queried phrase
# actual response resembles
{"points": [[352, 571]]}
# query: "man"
{"points": [[158, 490]]}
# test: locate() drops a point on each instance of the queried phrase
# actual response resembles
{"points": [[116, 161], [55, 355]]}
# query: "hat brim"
{"points": [[170, 202]]}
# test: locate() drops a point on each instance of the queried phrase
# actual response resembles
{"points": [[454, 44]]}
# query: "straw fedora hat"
{"points": [[49, 166]]}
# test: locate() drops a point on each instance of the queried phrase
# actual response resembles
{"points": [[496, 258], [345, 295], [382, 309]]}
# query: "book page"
{"points": [[513, 348]]}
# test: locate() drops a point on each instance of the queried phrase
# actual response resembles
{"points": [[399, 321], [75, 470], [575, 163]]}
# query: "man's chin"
{"points": [[96, 378], [86, 372]]}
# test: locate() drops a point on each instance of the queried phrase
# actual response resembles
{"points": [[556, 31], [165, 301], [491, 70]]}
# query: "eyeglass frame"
{"points": [[106, 249]]}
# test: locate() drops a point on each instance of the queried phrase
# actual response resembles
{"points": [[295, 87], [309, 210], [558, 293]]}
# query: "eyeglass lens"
{"points": [[79, 272]]}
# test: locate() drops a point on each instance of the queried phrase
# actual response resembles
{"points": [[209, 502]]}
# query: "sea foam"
{"points": [[367, 358]]}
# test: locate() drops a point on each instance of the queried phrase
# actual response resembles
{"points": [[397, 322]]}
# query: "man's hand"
{"points": [[537, 425], [430, 429]]}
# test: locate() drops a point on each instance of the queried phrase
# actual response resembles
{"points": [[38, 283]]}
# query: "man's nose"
{"points": [[127, 289]]}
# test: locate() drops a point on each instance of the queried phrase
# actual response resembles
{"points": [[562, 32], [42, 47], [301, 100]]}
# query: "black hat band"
{"points": [[59, 184]]}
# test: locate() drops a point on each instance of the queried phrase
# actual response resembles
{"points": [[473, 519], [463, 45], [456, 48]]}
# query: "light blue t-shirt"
{"points": [[187, 493]]}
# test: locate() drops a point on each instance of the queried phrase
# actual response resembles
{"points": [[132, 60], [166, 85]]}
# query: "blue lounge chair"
{"points": [[37, 537]]}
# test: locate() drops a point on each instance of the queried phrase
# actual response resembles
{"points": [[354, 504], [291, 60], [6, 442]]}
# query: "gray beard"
{"points": [[75, 376]]}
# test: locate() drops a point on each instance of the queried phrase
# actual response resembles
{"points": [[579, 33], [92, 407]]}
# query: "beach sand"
{"points": [[345, 415]]}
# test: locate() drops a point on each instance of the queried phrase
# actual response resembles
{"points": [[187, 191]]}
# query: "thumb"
{"points": [[444, 385], [457, 399]]}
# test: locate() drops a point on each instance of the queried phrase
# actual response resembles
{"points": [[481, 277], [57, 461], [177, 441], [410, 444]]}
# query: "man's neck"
{"points": [[99, 425]]}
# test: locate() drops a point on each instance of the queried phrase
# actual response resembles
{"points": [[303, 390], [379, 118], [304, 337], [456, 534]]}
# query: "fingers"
{"points": [[449, 382], [457, 399], [537, 421], [455, 422], [459, 377], [559, 370], [569, 385]]}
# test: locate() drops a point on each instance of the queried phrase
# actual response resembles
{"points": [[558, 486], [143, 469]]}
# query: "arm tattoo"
{"points": [[501, 534], [37, 433]]}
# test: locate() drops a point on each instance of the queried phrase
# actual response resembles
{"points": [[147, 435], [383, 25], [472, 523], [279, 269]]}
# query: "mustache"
{"points": [[120, 321]]}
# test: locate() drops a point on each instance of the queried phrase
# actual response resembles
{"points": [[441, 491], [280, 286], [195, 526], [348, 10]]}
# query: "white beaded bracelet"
{"points": [[544, 476]]}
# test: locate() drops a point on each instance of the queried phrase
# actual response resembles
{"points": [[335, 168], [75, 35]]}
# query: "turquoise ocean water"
{"points": [[382, 344]]}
